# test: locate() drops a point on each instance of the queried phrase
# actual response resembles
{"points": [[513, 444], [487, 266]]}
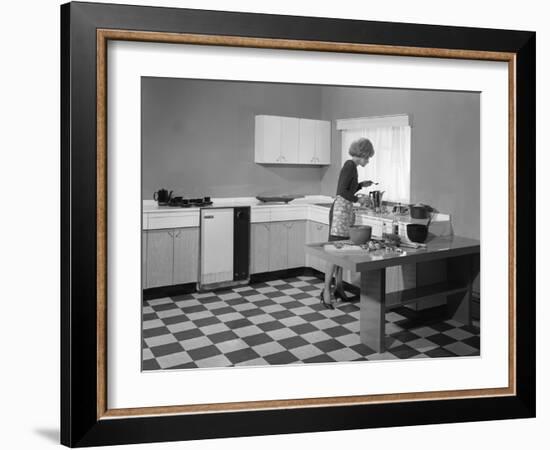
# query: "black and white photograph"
{"points": [[307, 224], [265, 225]]}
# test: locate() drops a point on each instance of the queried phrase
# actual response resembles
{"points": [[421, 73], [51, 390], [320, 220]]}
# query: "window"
{"points": [[391, 164]]}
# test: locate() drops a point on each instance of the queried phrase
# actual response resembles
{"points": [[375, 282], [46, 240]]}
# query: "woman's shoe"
{"points": [[340, 293], [325, 304]]}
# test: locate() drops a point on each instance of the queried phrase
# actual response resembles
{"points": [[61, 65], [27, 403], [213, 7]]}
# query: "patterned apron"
{"points": [[343, 217]]}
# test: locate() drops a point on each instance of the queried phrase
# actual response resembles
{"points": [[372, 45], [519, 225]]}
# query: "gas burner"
{"points": [[179, 202]]}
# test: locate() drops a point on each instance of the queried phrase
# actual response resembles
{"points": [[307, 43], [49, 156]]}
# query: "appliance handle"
{"points": [[430, 219]]}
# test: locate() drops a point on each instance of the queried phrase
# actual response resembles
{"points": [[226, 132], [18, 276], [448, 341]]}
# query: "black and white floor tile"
{"points": [[282, 322]]}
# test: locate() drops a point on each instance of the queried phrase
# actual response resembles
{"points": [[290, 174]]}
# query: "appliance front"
{"points": [[224, 247]]}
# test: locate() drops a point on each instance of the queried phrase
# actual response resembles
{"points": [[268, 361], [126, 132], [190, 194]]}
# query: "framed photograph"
{"points": [[278, 224]]}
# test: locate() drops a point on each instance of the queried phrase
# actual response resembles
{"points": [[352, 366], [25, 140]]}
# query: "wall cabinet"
{"points": [[267, 139], [314, 142], [170, 256], [306, 152], [277, 246], [290, 140]]}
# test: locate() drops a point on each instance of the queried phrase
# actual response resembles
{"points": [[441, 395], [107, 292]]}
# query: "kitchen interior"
{"points": [[238, 178]]}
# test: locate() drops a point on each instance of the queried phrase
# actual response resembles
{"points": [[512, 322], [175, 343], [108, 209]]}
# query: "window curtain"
{"points": [[391, 164]]}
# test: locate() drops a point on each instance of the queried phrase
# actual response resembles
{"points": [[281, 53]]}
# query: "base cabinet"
{"points": [[316, 232], [160, 258], [259, 247], [277, 246], [186, 255], [296, 239], [170, 256]]}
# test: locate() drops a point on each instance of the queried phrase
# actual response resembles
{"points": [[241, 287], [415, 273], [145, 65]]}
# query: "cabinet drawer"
{"points": [[288, 213], [172, 220], [259, 215]]}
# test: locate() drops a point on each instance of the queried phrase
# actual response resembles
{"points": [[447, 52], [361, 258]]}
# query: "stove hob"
{"points": [[188, 204]]}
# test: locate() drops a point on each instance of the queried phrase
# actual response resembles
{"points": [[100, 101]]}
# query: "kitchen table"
{"points": [[459, 254]]}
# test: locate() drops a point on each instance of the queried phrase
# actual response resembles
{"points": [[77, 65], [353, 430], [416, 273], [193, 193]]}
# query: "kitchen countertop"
{"points": [[403, 218], [313, 207], [151, 206]]}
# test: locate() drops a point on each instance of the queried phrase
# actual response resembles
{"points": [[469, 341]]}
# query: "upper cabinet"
{"points": [[307, 140], [322, 142], [289, 140]]}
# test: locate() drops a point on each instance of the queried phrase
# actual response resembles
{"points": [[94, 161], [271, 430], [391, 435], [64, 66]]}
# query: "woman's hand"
{"points": [[363, 200], [366, 183]]}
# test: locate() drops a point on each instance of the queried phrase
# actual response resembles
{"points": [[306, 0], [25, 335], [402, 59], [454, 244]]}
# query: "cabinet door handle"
{"points": [[170, 234], [179, 233]]}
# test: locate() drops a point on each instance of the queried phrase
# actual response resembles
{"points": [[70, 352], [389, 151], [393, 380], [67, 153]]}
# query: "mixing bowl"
{"points": [[360, 234]]}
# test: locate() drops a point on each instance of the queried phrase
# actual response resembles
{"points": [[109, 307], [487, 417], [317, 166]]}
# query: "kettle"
{"points": [[162, 196], [376, 198]]}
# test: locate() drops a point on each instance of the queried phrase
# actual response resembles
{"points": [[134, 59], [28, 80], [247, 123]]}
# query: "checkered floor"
{"points": [[282, 322]]}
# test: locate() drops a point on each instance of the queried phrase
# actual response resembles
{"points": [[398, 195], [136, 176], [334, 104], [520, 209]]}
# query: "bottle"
{"points": [[395, 225]]}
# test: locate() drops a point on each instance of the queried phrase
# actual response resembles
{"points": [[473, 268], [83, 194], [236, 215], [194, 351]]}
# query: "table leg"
{"points": [[373, 308], [464, 270]]}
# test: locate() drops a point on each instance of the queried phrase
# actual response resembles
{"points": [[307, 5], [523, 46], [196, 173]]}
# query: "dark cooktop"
{"points": [[179, 202]]}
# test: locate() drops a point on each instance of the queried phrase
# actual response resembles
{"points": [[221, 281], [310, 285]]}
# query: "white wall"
{"points": [[29, 162]]}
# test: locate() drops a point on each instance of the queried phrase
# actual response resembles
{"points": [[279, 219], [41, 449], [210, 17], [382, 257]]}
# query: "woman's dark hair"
{"points": [[361, 148]]}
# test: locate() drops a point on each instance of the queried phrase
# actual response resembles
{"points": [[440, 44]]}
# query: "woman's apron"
{"points": [[343, 217]]}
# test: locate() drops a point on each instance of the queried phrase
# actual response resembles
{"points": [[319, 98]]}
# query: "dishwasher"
{"points": [[224, 253]]}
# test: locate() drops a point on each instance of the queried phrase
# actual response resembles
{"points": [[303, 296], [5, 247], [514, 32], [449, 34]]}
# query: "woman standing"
{"points": [[341, 215]]}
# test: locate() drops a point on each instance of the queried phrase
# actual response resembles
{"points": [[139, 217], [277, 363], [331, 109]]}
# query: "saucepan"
{"points": [[420, 211]]}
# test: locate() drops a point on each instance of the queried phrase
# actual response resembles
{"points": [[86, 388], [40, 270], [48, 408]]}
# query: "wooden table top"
{"points": [[359, 260]]}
